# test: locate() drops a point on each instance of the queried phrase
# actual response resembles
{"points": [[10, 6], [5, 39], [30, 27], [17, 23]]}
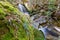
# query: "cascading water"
{"points": [[23, 9], [47, 31]]}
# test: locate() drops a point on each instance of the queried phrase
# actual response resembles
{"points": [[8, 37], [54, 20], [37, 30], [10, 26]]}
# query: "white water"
{"points": [[23, 9]]}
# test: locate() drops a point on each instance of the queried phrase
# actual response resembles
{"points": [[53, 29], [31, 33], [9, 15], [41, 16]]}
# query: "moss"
{"points": [[38, 35], [16, 24], [7, 36]]}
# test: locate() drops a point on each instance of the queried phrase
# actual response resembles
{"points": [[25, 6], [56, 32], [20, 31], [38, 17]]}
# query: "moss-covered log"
{"points": [[14, 25]]}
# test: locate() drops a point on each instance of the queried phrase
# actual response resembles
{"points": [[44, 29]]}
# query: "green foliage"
{"points": [[7, 36], [52, 1], [14, 25], [39, 35]]}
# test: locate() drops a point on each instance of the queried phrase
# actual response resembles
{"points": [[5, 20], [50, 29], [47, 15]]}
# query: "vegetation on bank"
{"points": [[14, 25]]}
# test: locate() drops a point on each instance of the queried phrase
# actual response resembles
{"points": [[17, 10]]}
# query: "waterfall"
{"points": [[23, 9], [47, 31]]}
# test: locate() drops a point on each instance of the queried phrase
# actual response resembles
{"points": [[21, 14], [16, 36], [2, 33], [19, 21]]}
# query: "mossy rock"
{"points": [[14, 25]]}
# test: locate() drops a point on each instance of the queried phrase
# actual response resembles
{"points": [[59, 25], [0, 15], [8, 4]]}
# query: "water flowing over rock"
{"points": [[14, 25]]}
